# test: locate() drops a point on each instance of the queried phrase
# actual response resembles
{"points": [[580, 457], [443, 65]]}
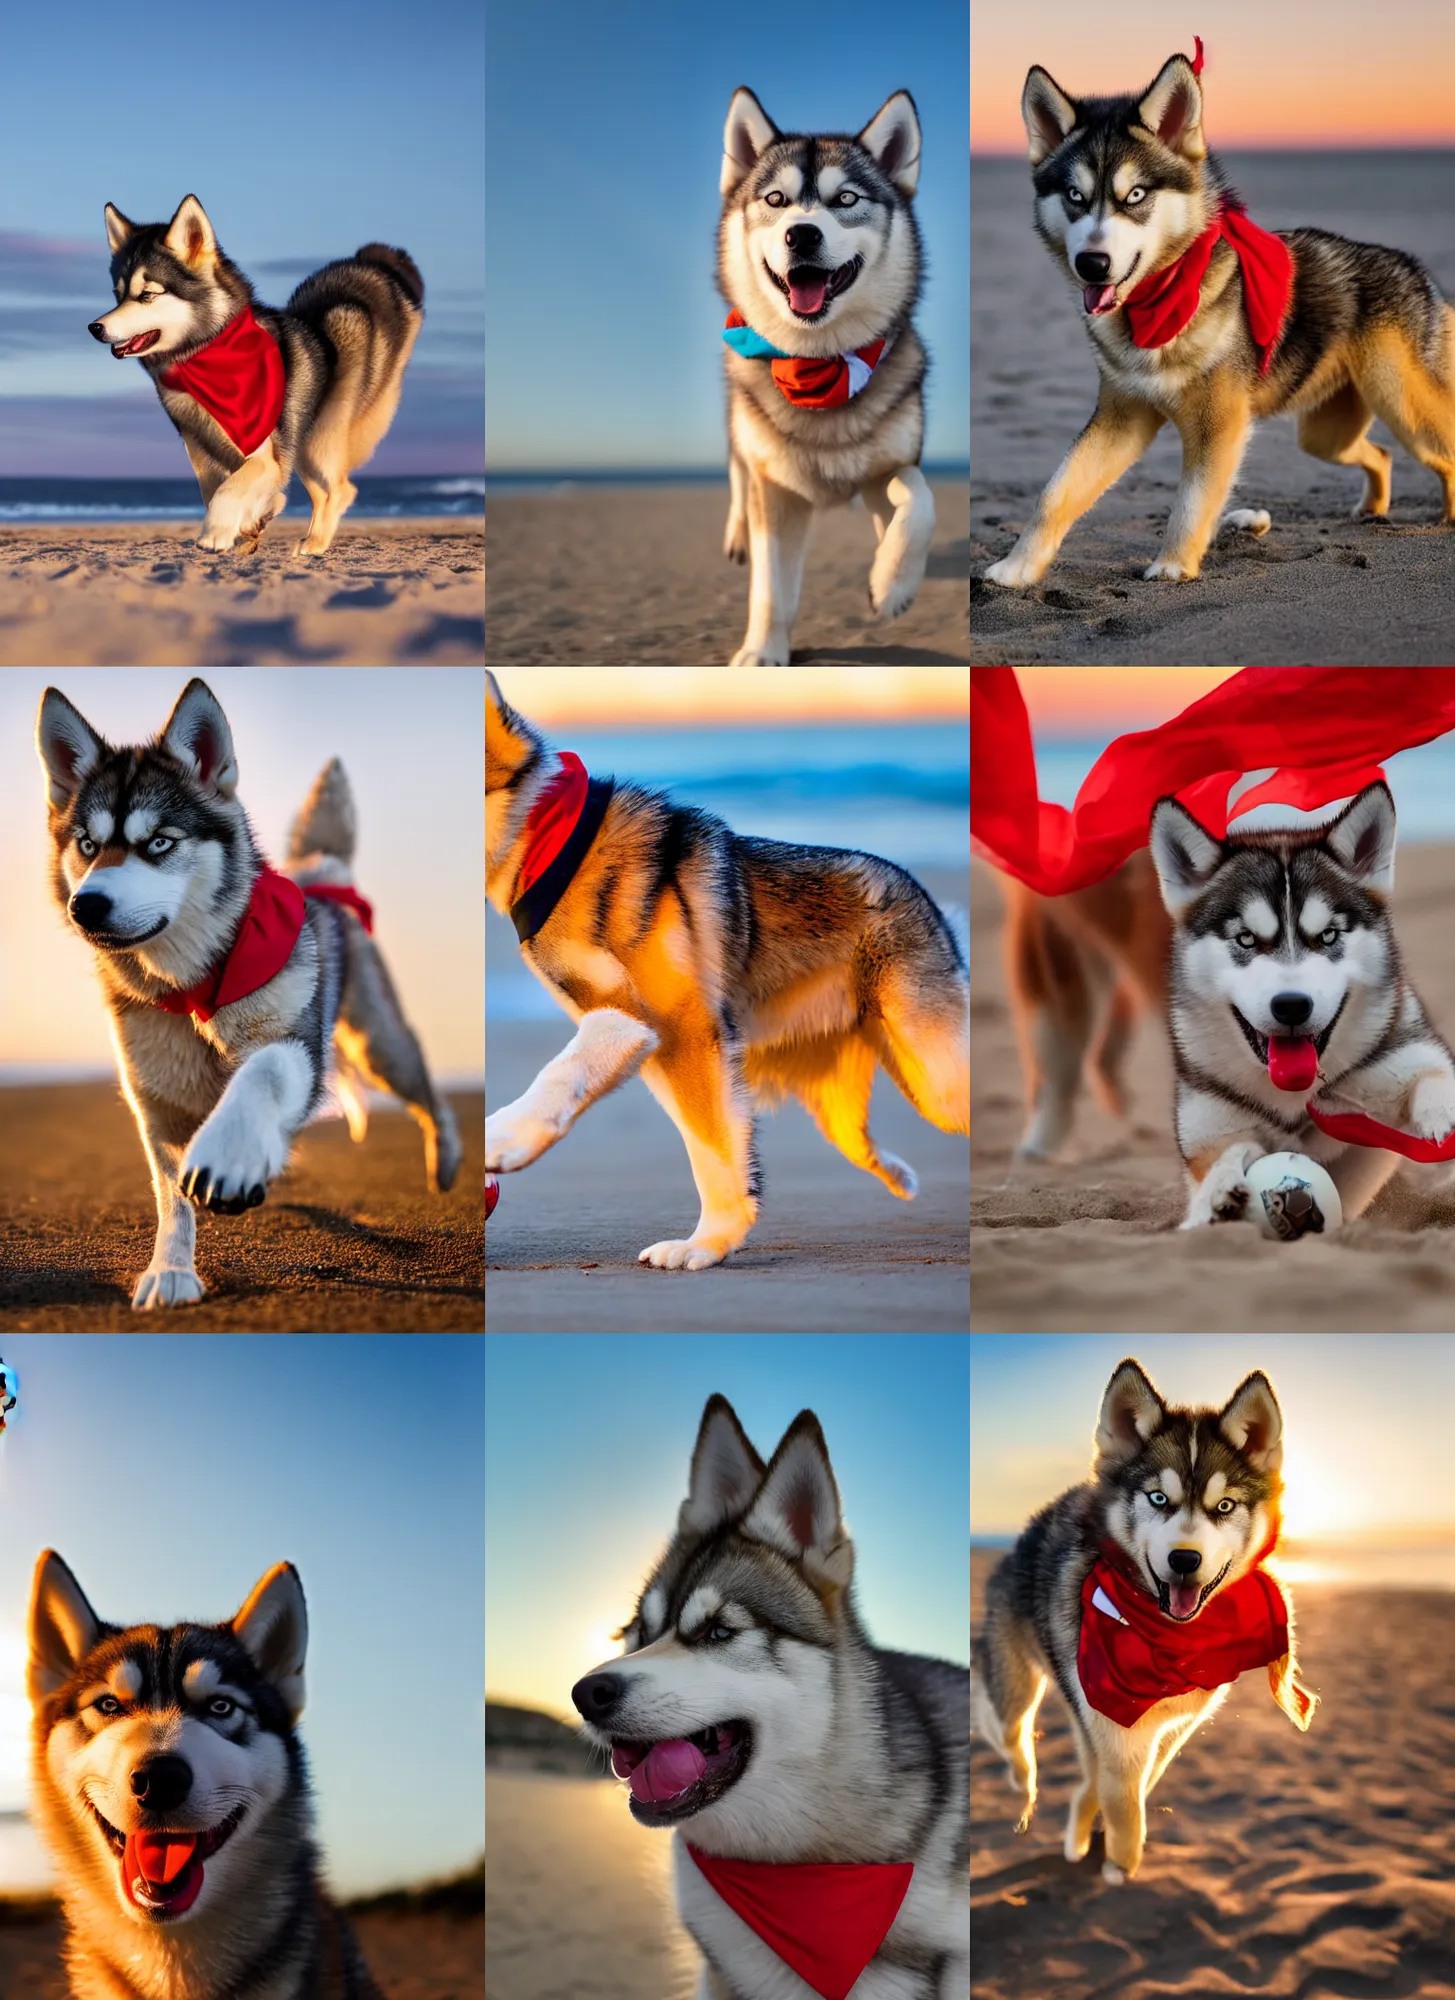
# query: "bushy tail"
{"points": [[400, 266], [326, 826]]}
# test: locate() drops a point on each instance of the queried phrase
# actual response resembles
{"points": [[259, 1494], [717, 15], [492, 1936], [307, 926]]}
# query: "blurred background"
{"points": [[588, 1444]]}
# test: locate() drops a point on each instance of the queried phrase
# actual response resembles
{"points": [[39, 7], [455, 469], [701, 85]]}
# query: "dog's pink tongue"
{"points": [[666, 1769], [159, 1857], [806, 291], [1099, 298], [1292, 1065], [1183, 1599]]}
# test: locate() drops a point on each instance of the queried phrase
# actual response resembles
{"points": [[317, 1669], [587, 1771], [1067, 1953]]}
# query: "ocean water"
{"points": [[380, 498], [897, 789], [565, 479]]}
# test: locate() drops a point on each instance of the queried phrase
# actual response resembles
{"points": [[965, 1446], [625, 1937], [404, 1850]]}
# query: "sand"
{"points": [[350, 1241], [1320, 586], [622, 576], [1090, 1242], [392, 592], [1297, 1867]]}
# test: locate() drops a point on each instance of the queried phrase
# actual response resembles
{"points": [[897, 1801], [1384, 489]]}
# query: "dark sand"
{"points": [[1090, 1243], [350, 1241], [1320, 586], [833, 1250], [624, 576], [393, 592], [1298, 1867]]}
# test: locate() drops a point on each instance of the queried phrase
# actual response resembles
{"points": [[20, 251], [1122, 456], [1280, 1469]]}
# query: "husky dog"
{"points": [[819, 259], [1283, 955], [1125, 186], [256, 393], [729, 972], [155, 865], [1187, 1501], [173, 1793], [752, 1714]]}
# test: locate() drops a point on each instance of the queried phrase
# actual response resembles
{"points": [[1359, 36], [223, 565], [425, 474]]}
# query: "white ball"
{"points": [[1293, 1196]]}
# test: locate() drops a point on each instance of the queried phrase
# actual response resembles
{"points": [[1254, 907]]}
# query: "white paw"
{"points": [[1432, 1107], [231, 1160], [159, 1286], [1162, 571], [1249, 520], [900, 1177], [1111, 1873], [891, 598], [1013, 572], [513, 1139], [772, 653], [309, 547], [690, 1256], [218, 539], [1076, 1849]]}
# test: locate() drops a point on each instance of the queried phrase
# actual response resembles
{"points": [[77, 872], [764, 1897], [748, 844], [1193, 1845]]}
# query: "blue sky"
{"points": [[603, 143], [588, 1441], [172, 1473], [305, 131]]}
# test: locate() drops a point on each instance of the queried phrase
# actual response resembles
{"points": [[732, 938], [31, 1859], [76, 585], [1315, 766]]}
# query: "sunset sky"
{"points": [[1093, 701], [606, 696], [1306, 73]]}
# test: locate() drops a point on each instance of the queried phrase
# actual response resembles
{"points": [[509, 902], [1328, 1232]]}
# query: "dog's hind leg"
{"points": [[833, 1079], [1085, 1804], [1338, 432], [924, 1048], [1007, 1686], [607, 1049], [1418, 407], [378, 1046], [735, 537]]}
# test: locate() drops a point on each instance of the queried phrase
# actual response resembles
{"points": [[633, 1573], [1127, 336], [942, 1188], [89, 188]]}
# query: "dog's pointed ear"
{"points": [[797, 1509], [1252, 1422], [62, 1627], [119, 228], [1131, 1410], [198, 736], [1049, 114], [748, 133], [892, 136], [726, 1471], [1172, 109], [189, 233], [1185, 855], [68, 747], [272, 1628], [1362, 838]]}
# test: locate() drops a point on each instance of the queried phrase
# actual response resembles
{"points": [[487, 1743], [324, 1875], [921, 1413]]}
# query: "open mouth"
{"points": [[810, 290], [162, 1872], [1292, 1061], [1181, 1597], [672, 1780], [114, 941], [138, 344], [1099, 299]]}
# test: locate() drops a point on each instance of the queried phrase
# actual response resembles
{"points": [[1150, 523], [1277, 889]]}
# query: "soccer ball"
{"points": [[1293, 1196]]}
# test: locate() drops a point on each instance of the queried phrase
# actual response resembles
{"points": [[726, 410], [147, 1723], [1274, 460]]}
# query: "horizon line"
{"points": [[1009, 152], [946, 467]]}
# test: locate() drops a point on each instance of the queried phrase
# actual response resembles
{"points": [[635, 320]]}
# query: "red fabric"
{"points": [[350, 898], [492, 1194], [1357, 1128], [1125, 1669], [1197, 59], [826, 1922], [553, 820], [238, 378], [264, 944], [1323, 730], [1164, 303], [817, 383]]}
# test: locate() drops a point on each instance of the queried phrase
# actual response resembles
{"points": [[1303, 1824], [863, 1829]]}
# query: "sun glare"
{"points": [[1315, 1503]]}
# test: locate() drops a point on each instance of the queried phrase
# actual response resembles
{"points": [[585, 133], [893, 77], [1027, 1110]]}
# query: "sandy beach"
{"points": [[1090, 1242], [626, 576], [1320, 586], [350, 1241], [389, 592], [1277, 1863]]}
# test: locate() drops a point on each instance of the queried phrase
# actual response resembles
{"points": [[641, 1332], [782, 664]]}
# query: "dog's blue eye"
{"points": [[1331, 935], [160, 843], [720, 1634], [1158, 1499], [845, 198], [220, 1706], [87, 846], [1076, 198]]}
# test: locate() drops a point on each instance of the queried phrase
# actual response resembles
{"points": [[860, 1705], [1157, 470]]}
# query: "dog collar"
{"points": [[1164, 303], [238, 378], [824, 1921], [809, 383], [1129, 1657], [563, 822], [264, 943]]}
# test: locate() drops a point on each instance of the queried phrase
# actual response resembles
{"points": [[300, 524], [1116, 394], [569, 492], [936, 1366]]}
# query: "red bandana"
{"points": [[237, 378], [821, 383], [349, 899], [263, 945], [1129, 1657], [826, 1922], [1164, 303]]}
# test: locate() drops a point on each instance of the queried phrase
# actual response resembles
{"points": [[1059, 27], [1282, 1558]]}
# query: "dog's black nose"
{"points": [[1290, 1010], [597, 1695], [90, 909], [162, 1783], [806, 237], [1094, 266], [1185, 1561], [96, 330]]}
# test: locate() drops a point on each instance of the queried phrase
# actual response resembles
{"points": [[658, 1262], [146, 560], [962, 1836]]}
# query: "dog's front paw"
{"points": [[772, 653], [230, 1162], [1111, 1873], [513, 1139], [1014, 572], [1230, 1203], [891, 595], [163, 1285], [218, 539], [1166, 571], [690, 1256], [1432, 1107]]}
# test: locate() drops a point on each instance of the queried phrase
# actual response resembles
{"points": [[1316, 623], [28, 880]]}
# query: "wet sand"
{"points": [[351, 1240], [1320, 586], [390, 592], [1090, 1243], [1308, 1867], [625, 576]]}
